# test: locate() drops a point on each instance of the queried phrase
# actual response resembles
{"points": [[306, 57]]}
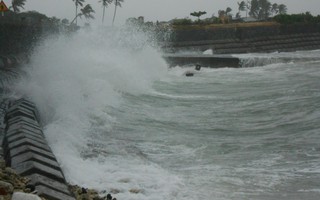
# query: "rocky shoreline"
{"points": [[16, 187]]}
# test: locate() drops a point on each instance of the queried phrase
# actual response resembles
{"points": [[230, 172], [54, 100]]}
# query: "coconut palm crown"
{"points": [[16, 5]]}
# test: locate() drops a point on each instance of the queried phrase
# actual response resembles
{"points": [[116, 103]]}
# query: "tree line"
{"points": [[85, 10], [258, 9]]}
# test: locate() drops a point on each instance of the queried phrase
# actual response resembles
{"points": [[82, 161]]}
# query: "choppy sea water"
{"points": [[119, 120]]}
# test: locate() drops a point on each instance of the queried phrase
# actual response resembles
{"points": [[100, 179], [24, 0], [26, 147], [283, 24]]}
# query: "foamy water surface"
{"points": [[120, 121]]}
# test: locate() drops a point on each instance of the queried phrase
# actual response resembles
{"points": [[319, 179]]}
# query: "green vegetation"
{"points": [[261, 9], [258, 10], [297, 18], [184, 21]]}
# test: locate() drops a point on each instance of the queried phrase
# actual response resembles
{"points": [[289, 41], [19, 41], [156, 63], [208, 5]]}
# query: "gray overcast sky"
{"points": [[152, 10]]}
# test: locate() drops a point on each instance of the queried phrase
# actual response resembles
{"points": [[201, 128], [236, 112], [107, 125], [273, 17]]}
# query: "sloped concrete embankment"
{"points": [[26, 151], [281, 43], [256, 39]]}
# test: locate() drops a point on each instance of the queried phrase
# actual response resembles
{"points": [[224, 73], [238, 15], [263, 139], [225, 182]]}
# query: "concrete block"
{"points": [[11, 152], [26, 141], [31, 156], [24, 125], [23, 101], [21, 105], [22, 135], [48, 193], [21, 118], [20, 112], [28, 148], [37, 134], [18, 119], [33, 167], [38, 179], [25, 106]]}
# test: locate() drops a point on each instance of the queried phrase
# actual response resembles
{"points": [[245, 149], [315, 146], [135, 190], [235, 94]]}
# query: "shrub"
{"points": [[184, 21], [297, 18]]}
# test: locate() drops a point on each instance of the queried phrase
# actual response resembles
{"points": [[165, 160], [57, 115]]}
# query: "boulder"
{"points": [[24, 196], [5, 188]]}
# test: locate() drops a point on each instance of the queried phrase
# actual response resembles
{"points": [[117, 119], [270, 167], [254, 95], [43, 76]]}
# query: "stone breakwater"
{"points": [[28, 168], [26, 151], [33, 167]]}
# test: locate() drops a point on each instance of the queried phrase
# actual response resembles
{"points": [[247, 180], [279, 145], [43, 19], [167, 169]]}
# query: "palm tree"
{"points": [[198, 14], [228, 10], [86, 12], [254, 8], [242, 6], [247, 7], [274, 8], [78, 3], [282, 9], [105, 4], [116, 4], [238, 15], [265, 7], [17, 4]]}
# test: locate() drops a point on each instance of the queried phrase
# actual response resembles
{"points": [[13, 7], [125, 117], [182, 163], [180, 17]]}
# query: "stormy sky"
{"points": [[153, 10]]}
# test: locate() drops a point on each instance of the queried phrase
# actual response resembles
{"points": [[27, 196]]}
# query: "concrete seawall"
{"points": [[234, 39], [203, 60], [26, 151]]}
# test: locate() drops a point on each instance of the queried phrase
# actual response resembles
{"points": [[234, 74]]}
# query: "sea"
{"points": [[120, 121]]}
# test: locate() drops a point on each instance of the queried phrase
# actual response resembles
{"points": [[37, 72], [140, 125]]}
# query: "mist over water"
{"points": [[119, 120]]}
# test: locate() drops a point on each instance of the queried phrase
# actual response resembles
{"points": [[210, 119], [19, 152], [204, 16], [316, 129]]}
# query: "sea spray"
{"points": [[76, 80]]}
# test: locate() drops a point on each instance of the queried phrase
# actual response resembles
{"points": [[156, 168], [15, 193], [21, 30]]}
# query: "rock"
{"points": [[109, 197], [87, 194], [10, 171], [30, 188], [84, 190], [189, 74], [5, 188], [114, 191], [135, 191], [2, 164], [24, 196]]}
